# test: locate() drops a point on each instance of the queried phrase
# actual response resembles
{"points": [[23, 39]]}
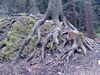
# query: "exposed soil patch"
{"points": [[79, 65]]}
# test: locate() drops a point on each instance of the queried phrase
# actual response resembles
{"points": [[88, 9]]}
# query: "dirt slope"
{"points": [[79, 65]]}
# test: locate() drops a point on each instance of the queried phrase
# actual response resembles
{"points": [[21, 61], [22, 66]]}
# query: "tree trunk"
{"points": [[55, 12], [88, 18], [74, 13], [8, 6], [55, 7], [27, 6], [34, 9]]}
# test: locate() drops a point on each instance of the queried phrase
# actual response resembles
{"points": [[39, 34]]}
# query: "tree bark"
{"points": [[55, 7], [88, 18], [74, 14], [34, 9], [8, 6], [55, 11]]}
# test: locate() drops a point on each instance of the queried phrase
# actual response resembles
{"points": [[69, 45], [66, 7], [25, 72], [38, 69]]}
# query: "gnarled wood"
{"points": [[55, 11]]}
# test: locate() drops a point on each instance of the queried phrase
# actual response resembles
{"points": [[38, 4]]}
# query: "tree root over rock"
{"points": [[79, 44], [55, 12], [79, 41]]}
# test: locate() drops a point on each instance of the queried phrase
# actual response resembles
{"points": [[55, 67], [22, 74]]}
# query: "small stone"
{"points": [[99, 62], [59, 73]]}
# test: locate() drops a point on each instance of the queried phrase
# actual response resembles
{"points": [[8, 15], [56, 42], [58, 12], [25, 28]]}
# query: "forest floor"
{"points": [[78, 65]]}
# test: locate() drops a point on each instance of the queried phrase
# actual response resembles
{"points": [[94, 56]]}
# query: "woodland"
{"points": [[49, 37]]}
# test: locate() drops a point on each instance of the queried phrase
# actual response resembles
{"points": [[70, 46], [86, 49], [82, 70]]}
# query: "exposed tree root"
{"points": [[54, 39], [32, 55], [79, 43], [32, 33], [53, 35]]}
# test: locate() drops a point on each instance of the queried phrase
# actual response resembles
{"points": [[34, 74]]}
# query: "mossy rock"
{"points": [[22, 14], [16, 36], [46, 28]]}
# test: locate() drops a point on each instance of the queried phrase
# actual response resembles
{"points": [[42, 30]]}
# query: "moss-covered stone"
{"points": [[16, 36], [46, 28], [22, 13]]}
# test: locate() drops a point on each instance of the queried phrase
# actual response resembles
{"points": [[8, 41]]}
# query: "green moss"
{"points": [[1, 43], [97, 34], [16, 36], [46, 28], [4, 55], [22, 13], [48, 47], [59, 38]]}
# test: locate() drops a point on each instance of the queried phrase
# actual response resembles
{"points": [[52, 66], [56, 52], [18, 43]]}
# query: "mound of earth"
{"points": [[52, 65]]}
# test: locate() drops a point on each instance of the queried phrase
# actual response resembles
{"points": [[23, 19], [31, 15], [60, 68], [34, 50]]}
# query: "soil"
{"points": [[52, 65], [79, 64]]}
